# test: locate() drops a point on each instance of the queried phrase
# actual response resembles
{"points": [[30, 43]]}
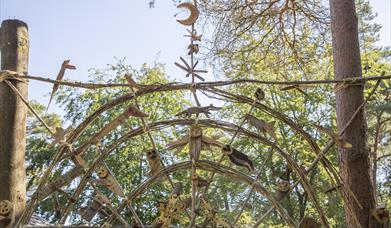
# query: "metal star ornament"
{"points": [[190, 70]]}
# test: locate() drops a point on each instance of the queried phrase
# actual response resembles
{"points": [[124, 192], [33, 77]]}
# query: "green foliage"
{"points": [[312, 60]]}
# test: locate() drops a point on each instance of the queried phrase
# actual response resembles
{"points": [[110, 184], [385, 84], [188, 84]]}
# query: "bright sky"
{"points": [[92, 32]]}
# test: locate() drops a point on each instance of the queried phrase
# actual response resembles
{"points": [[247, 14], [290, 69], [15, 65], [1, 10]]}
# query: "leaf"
{"points": [[133, 111], [342, 143], [261, 125], [211, 142], [65, 65], [178, 143]]}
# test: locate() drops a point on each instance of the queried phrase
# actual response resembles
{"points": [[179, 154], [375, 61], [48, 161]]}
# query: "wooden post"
{"points": [[14, 43]]}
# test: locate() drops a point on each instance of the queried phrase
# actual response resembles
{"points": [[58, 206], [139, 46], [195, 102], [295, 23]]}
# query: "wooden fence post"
{"points": [[14, 43]]}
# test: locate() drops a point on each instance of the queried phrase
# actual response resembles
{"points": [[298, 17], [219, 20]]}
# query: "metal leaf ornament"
{"points": [[338, 140], [238, 158], [169, 210], [208, 142], [95, 205], [193, 48], [179, 144], [211, 215], [298, 87], [261, 125], [65, 65], [134, 111], [130, 111]]}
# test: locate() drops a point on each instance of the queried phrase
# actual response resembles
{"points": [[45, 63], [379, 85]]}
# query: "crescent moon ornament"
{"points": [[194, 13]]}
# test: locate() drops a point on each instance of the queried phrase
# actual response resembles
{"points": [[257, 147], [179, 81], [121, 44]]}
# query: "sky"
{"points": [[92, 32]]}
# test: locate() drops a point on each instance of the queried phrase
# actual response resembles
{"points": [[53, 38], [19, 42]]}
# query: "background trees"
{"points": [[276, 40]]}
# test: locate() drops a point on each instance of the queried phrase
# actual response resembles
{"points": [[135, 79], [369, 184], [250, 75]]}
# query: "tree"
{"points": [[354, 162], [306, 55], [128, 162], [240, 59]]}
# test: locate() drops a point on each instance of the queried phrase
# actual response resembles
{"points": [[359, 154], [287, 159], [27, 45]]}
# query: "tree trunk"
{"points": [[14, 42], [354, 162]]}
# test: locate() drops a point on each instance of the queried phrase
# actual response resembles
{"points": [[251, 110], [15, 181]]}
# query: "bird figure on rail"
{"points": [[65, 65], [259, 94], [132, 82], [238, 158]]}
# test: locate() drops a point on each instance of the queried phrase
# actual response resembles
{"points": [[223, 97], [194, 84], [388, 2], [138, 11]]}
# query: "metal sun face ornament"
{"points": [[194, 13]]}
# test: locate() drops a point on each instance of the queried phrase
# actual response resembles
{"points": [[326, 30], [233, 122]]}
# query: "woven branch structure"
{"points": [[83, 169]]}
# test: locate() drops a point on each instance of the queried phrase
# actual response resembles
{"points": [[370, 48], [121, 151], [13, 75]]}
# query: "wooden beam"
{"points": [[14, 43]]}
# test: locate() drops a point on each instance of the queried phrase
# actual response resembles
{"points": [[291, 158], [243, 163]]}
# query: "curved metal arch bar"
{"points": [[27, 213], [145, 90], [74, 135], [335, 178], [207, 166], [206, 123]]}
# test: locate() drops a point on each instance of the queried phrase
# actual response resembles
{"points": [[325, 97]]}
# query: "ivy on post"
{"points": [[14, 43]]}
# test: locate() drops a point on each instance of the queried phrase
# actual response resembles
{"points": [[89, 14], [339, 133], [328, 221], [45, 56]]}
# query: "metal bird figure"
{"points": [[367, 67], [238, 158], [259, 94], [193, 48], [65, 65], [131, 81]]}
